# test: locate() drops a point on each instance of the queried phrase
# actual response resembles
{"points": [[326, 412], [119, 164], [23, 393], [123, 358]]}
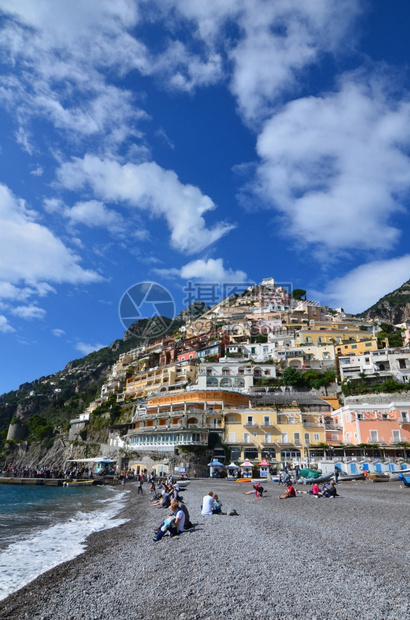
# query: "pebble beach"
{"points": [[322, 559]]}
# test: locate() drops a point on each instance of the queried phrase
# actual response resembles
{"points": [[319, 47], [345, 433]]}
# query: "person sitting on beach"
{"points": [[177, 526], [164, 527], [258, 490], [188, 523], [217, 509], [331, 491], [165, 499], [316, 492], [207, 504], [290, 492]]}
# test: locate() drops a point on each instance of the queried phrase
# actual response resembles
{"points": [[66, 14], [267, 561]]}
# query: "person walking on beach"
{"points": [[123, 482], [139, 486]]}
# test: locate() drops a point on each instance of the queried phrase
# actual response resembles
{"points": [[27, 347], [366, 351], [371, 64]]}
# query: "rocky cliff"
{"points": [[393, 308]]}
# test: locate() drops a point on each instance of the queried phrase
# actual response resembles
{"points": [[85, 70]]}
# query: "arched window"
{"points": [[226, 382], [211, 382]]}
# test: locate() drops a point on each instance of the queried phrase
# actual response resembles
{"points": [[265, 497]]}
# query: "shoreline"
{"points": [[279, 558]]}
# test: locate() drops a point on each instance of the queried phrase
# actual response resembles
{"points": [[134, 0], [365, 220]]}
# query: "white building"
{"points": [[381, 365]]}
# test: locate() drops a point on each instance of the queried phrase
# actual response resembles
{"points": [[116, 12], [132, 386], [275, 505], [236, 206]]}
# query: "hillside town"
{"points": [[262, 375]]}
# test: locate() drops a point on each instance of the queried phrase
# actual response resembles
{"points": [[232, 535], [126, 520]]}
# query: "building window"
{"points": [[296, 438], [268, 438], [316, 437], [396, 436], [284, 438], [374, 436], [246, 438], [266, 420], [249, 419]]}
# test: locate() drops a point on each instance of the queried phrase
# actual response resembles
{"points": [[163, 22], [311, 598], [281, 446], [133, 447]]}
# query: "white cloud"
{"points": [[29, 312], [211, 270], [267, 50], [364, 286], [86, 348], [31, 254], [337, 167], [5, 325], [56, 55], [93, 213], [58, 332], [150, 188], [37, 171]]}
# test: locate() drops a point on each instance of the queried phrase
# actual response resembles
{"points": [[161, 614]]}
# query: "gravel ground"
{"points": [[304, 558]]}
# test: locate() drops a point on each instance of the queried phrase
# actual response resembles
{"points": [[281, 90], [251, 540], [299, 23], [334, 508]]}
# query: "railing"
{"points": [[250, 424]]}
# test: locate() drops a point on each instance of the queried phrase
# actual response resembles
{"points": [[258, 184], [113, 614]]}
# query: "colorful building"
{"points": [[194, 418]]}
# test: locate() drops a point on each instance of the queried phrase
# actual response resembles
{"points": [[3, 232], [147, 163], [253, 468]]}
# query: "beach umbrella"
{"points": [[215, 464]]}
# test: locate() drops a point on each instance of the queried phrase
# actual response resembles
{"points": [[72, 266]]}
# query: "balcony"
{"points": [[250, 425]]}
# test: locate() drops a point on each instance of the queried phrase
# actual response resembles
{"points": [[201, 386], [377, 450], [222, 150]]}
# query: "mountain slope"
{"points": [[392, 308]]}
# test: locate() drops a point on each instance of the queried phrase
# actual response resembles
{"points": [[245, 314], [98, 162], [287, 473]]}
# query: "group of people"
{"points": [[324, 491], [211, 505], [168, 496]]}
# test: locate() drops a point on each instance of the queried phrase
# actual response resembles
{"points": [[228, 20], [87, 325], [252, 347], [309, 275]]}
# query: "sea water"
{"points": [[42, 526]]}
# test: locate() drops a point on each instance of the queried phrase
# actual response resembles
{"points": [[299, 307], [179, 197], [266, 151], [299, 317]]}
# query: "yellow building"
{"points": [[337, 337], [356, 348], [284, 435], [161, 379]]}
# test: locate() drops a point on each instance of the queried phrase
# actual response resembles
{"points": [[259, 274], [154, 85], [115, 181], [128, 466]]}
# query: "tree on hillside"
{"points": [[293, 376], [298, 294], [317, 380], [391, 333]]}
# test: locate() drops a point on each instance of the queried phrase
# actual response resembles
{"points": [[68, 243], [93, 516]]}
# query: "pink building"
{"points": [[383, 424], [185, 356]]}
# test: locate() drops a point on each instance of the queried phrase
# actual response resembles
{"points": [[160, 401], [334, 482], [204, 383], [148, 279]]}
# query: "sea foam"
{"points": [[23, 561]]}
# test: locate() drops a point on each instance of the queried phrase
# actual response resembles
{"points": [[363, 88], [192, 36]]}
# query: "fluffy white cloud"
{"points": [[56, 54], [31, 254], [86, 348], [5, 325], [211, 270], [337, 167], [94, 213], [150, 188], [267, 49], [362, 287], [28, 312]]}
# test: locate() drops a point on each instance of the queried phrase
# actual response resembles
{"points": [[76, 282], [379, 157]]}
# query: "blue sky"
{"points": [[211, 142]]}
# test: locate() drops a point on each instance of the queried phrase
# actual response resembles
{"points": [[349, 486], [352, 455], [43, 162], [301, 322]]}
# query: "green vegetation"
{"points": [[39, 428], [391, 333], [355, 388], [298, 294], [310, 378]]}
